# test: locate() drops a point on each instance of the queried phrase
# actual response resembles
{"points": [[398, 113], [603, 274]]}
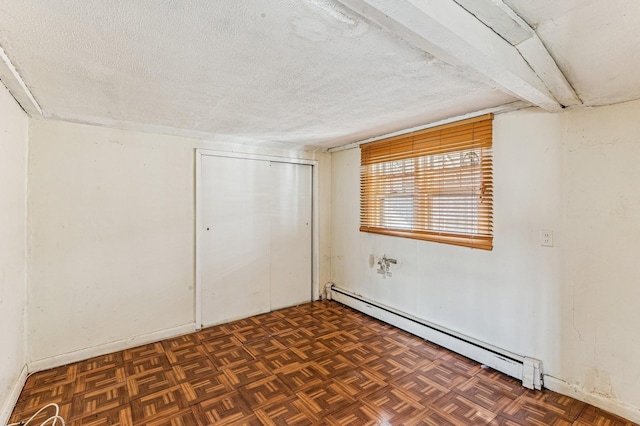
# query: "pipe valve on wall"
{"points": [[384, 263]]}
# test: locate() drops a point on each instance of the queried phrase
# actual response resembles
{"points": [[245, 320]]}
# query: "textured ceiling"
{"points": [[305, 72]]}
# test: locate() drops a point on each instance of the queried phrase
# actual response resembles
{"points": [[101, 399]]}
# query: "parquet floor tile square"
{"points": [[273, 315], [148, 364], [180, 342], [231, 358], [303, 320], [150, 382], [245, 373], [357, 414], [227, 409], [319, 363], [294, 337], [337, 339], [269, 316], [460, 364], [421, 388], [443, 374], [328, 314], [162, 404], [391, 367], [335, 364], [194, 369], [98, 400], [120, 416], [302, 376], [279, 326], [311, 350], [206, 387], [251, 334], [320, 328], [456, 408], [241, 324], [291, 411], [209, 333], [431, 418], [143, 351], [104, 362], [185, 417], [342, 321], [276, 326], [268, 391], [263, 347], [324, 398], [389, 345], [404, 338], [378, 326], [489, 394], [358, 383], [221, 343], [180, 355], [428, 350], [360, 353], [279, 361], [395, 405], [363, 333], [98, 379]]}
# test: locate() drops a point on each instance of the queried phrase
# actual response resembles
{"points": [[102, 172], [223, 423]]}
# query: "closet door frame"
{"points": [[199, 231]]}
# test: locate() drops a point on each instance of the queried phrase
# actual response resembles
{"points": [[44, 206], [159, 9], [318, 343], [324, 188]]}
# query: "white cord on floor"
{"points": [[53, 419]]}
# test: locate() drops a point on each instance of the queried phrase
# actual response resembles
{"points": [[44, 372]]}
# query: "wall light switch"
{"points": [[546, 238]]}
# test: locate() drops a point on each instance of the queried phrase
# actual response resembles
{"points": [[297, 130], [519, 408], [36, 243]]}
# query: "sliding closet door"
{"points": [[290, 234], [236, 241], [254, 236]]}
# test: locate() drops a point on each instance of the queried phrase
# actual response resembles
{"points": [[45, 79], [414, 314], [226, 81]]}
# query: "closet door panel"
{"points": [[290, 223], [236, 243]]}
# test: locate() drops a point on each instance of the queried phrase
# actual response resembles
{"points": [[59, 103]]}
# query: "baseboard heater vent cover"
{"points": [[529, 370]]}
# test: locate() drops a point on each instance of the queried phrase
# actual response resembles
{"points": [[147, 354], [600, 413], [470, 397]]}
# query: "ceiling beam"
{"points": [[510, 26], [447, 31], [11, 78]]}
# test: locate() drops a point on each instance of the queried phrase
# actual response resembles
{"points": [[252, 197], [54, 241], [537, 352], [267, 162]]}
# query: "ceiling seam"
{"points": [[20, 81]]}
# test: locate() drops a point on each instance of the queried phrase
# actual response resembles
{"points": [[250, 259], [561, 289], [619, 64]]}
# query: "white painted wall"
{"points": [[111, 237], [13, 191], [573, 305], [493, 296], [600, 349]]}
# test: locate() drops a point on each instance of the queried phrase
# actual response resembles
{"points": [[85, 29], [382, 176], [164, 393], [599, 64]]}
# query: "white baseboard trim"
{"points": [[611, 405], [13, 396], [119, 345]]}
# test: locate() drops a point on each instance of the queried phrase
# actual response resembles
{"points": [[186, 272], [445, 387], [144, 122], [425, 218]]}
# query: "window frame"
{"points": [[423, 183]]}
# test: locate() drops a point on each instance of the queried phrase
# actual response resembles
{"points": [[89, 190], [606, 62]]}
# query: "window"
{"points": [[434, 184]]}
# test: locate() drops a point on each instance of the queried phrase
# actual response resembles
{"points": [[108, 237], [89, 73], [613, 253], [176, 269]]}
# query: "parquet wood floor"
{"points": [[319, 363]]}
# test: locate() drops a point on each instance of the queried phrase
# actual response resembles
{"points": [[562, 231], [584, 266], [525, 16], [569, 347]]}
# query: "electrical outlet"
{"points": [[546, 238]]}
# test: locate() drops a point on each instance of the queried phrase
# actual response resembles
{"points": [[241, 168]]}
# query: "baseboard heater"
{"points": [[529, 370]]}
